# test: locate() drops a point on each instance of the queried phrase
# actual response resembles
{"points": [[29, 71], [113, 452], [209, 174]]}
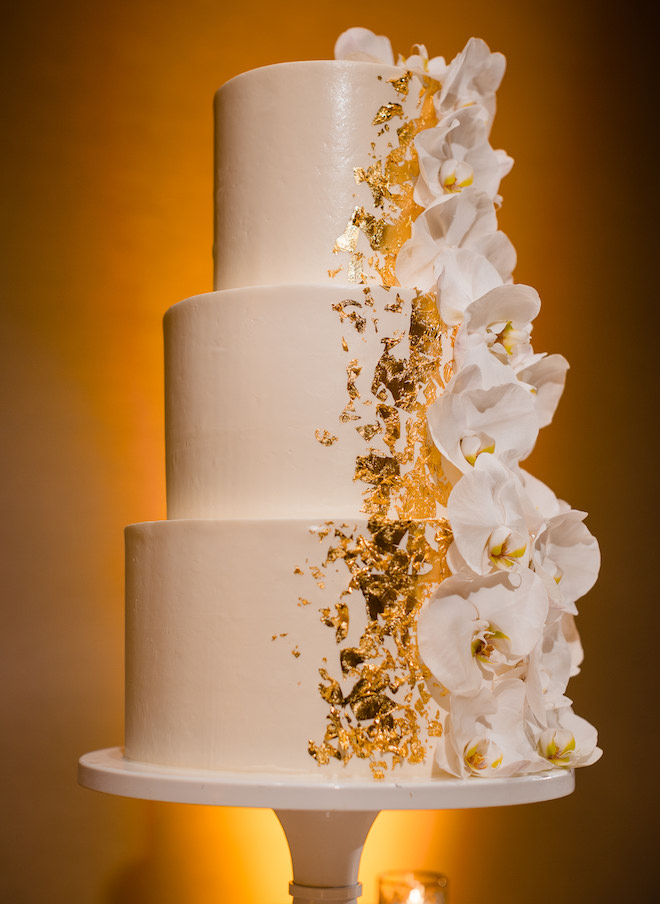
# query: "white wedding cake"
{"points": [[356, 576]]}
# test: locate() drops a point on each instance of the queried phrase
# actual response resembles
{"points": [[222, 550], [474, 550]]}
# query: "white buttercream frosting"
{"points": [[257, 381], [288, 140]]}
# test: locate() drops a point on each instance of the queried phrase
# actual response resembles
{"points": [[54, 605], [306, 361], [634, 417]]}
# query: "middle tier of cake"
{"points": [[287, 401]]}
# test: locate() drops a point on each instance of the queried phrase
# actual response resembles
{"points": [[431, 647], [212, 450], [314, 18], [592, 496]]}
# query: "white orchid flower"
{"points": [[472, 77], [476, 629], [488, 734], [568, 740], [463, 220], [456, 154], [363, 45], [549, 670], [501, 321], [471, 418], [419, 61], [547, 377], [566, 557], [463, 275], [541, 496], [492, 520], [572, 636]]}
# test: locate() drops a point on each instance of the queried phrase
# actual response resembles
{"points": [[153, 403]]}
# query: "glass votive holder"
{"points": [[412, 887]]}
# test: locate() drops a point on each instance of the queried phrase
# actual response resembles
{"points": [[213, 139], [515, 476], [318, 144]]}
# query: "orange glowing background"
{"points": [[107, 221]]}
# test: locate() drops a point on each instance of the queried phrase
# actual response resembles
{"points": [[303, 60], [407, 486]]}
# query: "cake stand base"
{"points": [[326, 821]]}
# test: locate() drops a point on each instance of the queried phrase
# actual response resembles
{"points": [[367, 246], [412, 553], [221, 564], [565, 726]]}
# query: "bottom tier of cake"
{"points": [[280, 646]]}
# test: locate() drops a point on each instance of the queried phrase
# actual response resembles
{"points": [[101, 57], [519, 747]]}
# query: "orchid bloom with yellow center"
{"points": [[474, 444], [557, 746], [505, 547], [493, 521], [471, 418], [473, 630], [455, 175], [569, 740], [482, 754], [501, 322], [567, 558], [487, 642], [507, 335], [488, 733]]}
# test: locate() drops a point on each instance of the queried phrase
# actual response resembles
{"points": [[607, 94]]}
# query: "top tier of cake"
{"points": [[300, 148]]}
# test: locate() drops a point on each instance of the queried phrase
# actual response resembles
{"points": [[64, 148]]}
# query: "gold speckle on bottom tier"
{"points": [[379, 705]]}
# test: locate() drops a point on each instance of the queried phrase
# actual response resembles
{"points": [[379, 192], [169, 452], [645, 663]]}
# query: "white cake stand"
{"points": [[325, 822]]}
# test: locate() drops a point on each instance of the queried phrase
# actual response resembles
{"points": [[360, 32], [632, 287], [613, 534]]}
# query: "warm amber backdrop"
{"points": [[107, 175]]}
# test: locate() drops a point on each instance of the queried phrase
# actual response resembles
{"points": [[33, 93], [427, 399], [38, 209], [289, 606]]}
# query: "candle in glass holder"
{"points": [[407, 887]]}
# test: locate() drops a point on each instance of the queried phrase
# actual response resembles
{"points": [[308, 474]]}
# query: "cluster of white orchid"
{"points": [[498, 636]]}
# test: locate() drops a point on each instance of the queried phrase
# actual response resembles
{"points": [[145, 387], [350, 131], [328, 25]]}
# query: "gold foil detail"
{"points": [[379, 700], [348, 240], [378, 182], [396, 307], [386, 112], [401, 467], [368, 431], [318, 576], [391, 178], [358, 321], [355, 273], [401, 84], [325, 437], [379, 706], [353, 371], [339, 621]]}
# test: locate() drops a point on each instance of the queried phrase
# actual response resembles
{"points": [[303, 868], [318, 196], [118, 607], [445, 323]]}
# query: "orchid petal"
{"points": [[362, 44]]}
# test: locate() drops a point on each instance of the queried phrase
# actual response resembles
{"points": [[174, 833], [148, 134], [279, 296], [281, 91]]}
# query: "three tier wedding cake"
{"points": [[356, 576]]}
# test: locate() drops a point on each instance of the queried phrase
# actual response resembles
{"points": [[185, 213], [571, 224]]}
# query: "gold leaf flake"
{"points": [[386, 112], [394, 568], [368, 431], [339, 621], [376, 469], [354, 317], [396, 307], [377, 180], [378, 701], [391, 178], [325, 437], [355, 267], [401, 84], [331, 692], [348, 240]]}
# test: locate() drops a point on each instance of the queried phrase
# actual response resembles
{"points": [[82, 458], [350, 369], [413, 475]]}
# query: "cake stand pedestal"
{"points": [[326, 822]]}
